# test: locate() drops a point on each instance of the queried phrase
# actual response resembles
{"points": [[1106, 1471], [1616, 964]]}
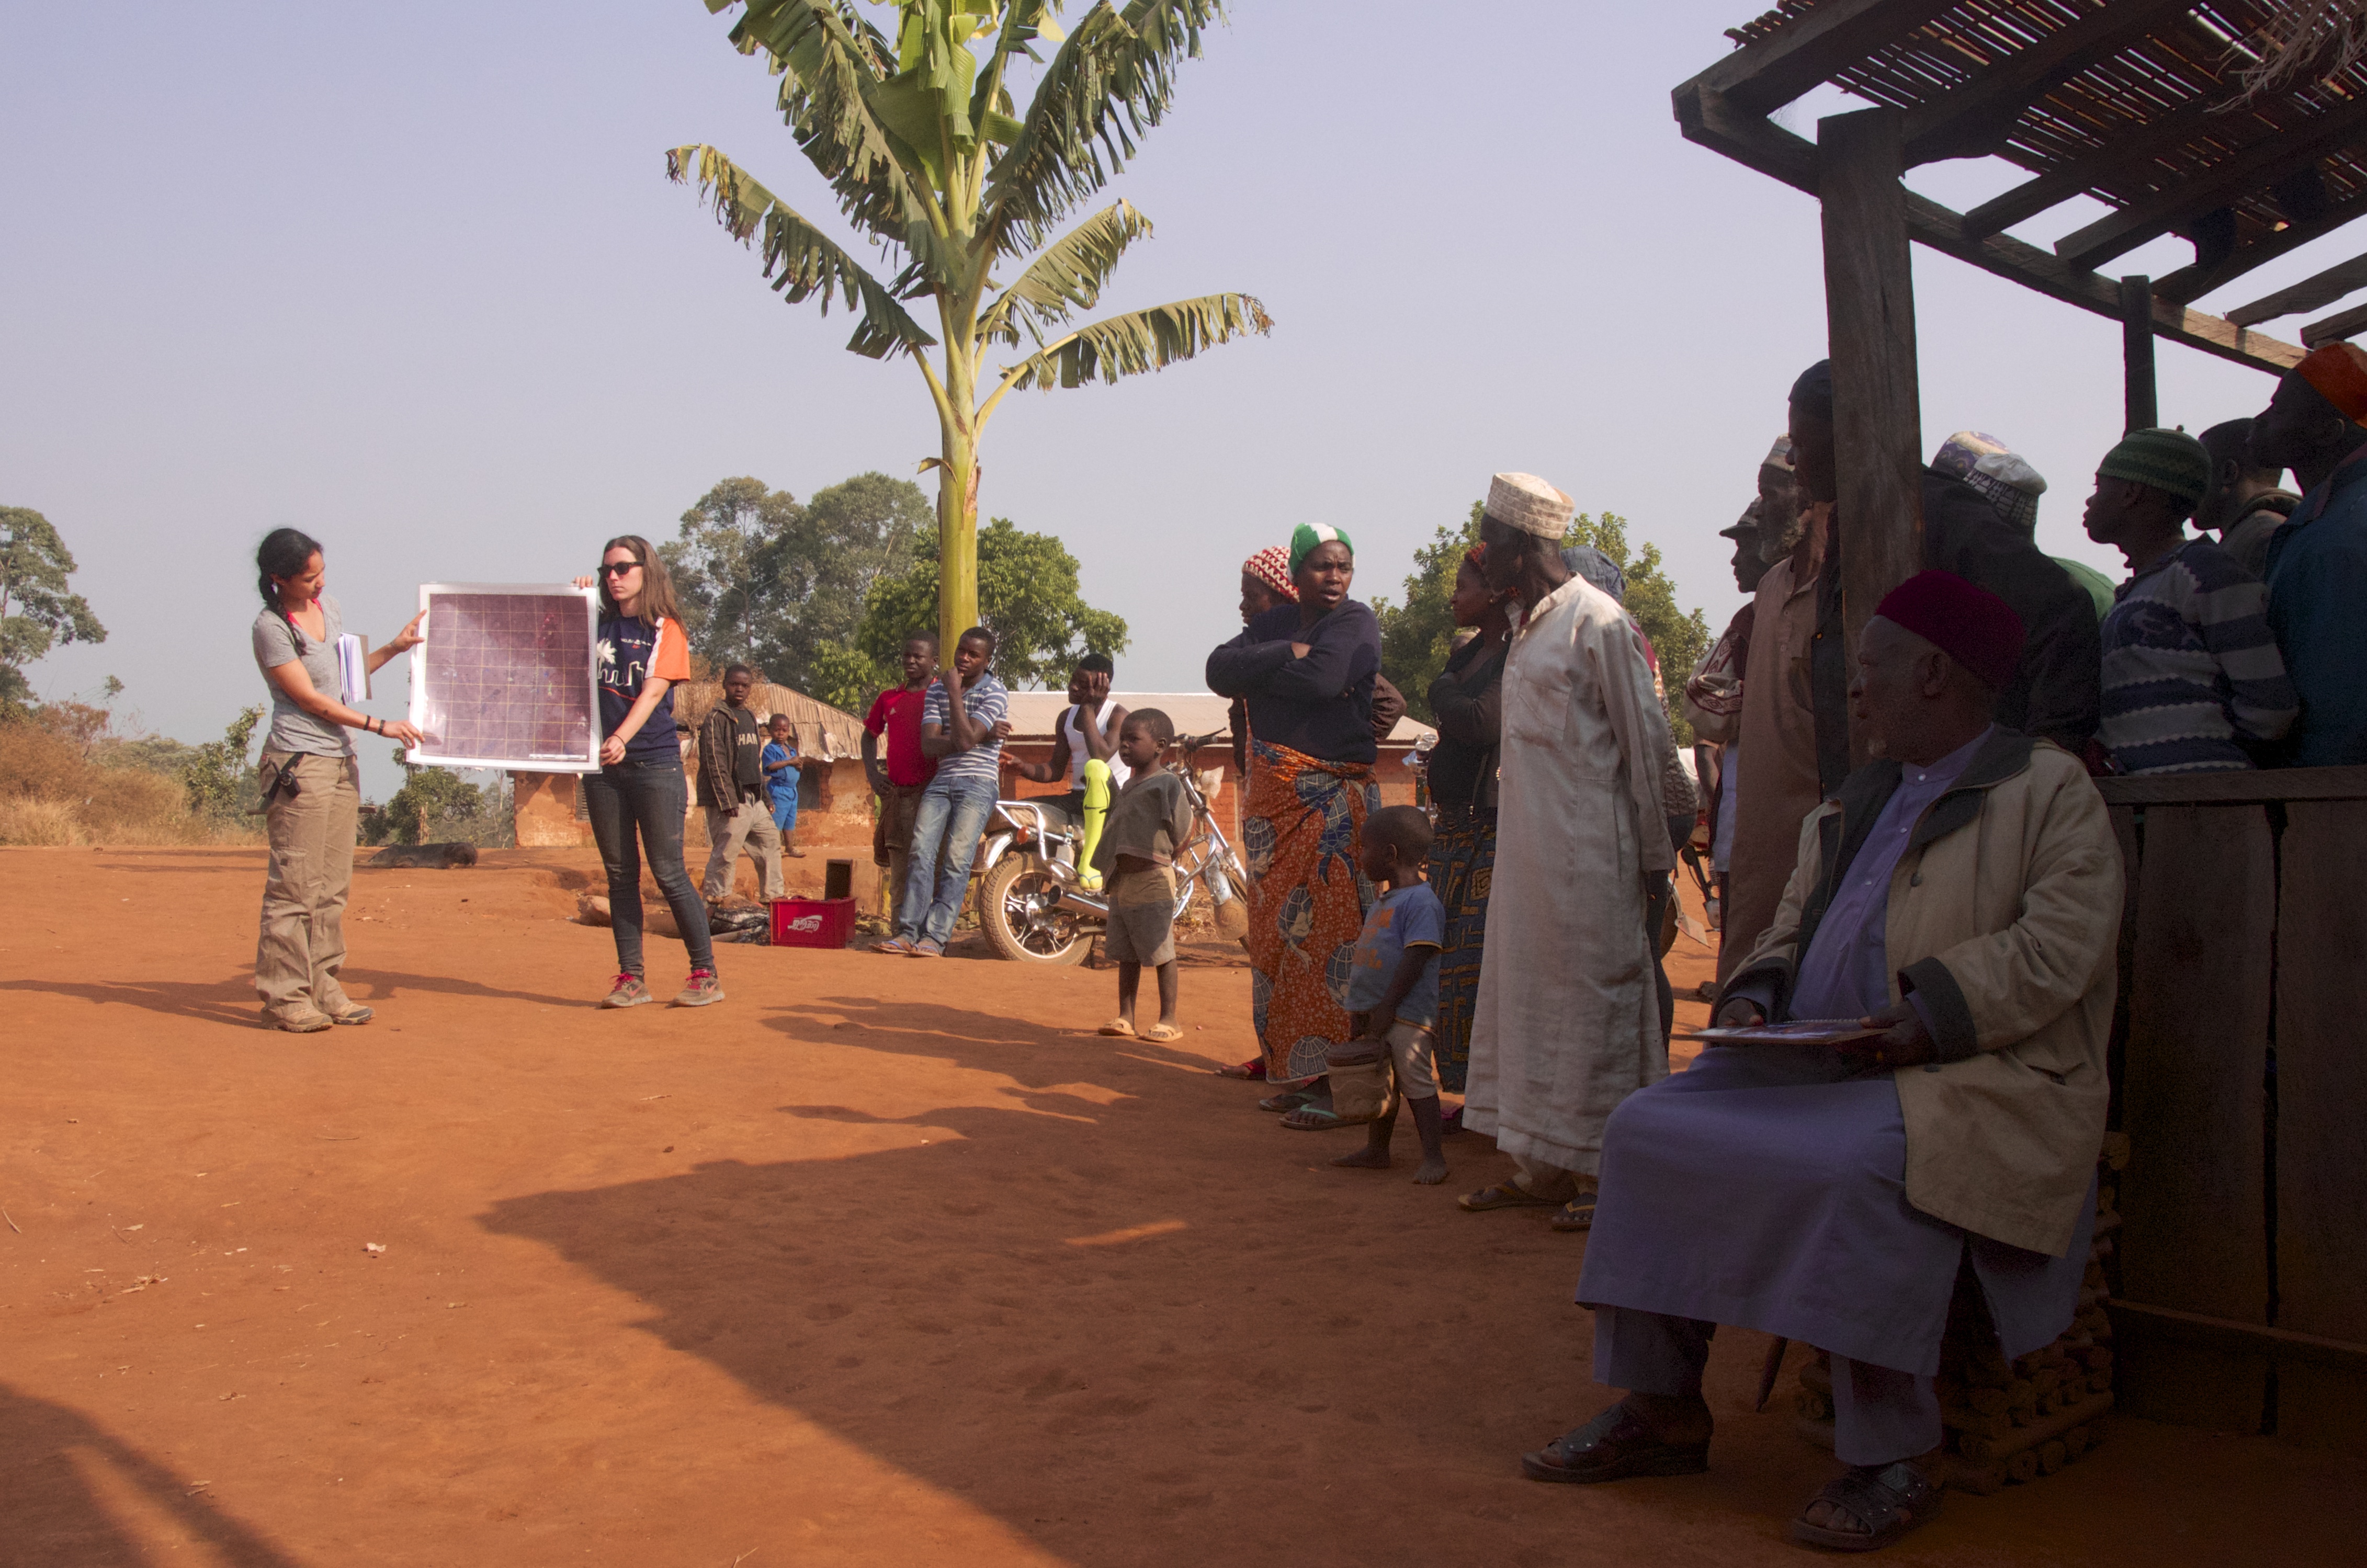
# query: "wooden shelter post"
{"points": [[2142, 411], [1870, 327]]}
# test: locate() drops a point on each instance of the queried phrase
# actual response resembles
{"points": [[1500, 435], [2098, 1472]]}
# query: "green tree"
{"points": [[1417, 634], [1028, 594], [770, 581], [219, 778], [36, 611], [437, 806], [928, 156], [722, 566]]}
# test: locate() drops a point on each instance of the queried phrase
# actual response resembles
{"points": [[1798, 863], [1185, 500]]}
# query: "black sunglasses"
{"points": [[618, 568]]}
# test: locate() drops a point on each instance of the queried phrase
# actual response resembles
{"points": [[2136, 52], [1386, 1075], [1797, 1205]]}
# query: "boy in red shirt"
{"points": [[896, 713]]}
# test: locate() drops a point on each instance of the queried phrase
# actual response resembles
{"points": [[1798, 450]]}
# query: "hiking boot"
{"points": [[701, 988], [307, 1021], [627, 992], [354, 1013]]}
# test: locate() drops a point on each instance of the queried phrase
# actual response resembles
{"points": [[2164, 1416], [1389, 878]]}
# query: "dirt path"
{"points": [[881, 1261]]}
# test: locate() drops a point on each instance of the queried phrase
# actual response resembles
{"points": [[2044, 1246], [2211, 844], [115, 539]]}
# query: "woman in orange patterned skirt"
{"points": [[1307, 672]]}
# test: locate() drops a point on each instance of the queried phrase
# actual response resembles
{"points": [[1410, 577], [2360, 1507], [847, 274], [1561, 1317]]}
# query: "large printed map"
{"points": [[505, 680]]}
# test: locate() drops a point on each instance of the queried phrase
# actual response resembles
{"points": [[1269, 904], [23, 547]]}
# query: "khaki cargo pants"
{"points": [[751, 830], [311, 833]]}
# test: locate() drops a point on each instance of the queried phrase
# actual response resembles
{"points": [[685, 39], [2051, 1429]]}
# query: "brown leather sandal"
{"points": [[1887, 1499]]}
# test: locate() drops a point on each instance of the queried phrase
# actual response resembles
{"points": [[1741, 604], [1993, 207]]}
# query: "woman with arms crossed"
{"points": [[311, 787], [639, 798], [1308, 671]]}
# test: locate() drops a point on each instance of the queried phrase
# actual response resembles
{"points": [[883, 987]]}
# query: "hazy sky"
{"points": [[411, 279]]}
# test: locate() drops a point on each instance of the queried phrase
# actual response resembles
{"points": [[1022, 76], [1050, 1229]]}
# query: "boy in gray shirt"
{"points": [[1150, 818]]}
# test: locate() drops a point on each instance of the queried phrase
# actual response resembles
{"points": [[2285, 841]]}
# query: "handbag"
{"points": [[1363, 1080]]}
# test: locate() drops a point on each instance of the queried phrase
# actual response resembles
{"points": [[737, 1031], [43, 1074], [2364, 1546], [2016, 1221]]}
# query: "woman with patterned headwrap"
{"points": [[1307, 672]]}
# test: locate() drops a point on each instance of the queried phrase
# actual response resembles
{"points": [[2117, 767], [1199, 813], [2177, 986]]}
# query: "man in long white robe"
{"points": [[1567, 1023]]}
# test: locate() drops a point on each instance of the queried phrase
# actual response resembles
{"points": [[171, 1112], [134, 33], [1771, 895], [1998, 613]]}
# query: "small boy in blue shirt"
{"points": [[780, 763], [1393, 981]]}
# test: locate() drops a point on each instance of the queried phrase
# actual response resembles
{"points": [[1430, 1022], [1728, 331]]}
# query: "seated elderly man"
{"points": [[1962, 897]]}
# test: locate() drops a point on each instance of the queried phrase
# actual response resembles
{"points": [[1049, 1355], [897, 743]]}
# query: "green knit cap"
{"points": [[2170, 460]]}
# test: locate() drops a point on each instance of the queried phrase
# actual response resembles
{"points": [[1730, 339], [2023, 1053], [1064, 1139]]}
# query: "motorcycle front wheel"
{"points": [[1019, 907]]}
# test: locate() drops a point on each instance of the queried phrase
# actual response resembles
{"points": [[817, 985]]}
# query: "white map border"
{"points": [[589, 763]]}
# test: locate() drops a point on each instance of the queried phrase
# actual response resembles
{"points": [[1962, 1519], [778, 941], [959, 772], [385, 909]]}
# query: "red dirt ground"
{"points": [[878, 1262]]}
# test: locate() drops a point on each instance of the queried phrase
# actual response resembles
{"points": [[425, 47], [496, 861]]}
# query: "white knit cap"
{"points": [[1527, 503]]}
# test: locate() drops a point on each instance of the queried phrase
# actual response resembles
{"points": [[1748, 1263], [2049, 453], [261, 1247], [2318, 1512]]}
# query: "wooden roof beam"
{"points": [[2334, 327], [1707, 118], [2193, 282], [2124, 152], [2324, 288], [1975, 119], [1762, 77], [2188, 200]]}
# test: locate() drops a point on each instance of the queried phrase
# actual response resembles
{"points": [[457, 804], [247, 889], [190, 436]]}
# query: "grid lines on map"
{"points": [[507, 678]]}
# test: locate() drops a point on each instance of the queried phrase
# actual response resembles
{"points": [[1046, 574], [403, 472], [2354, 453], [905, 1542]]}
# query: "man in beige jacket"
{"points": [[1956, 907]]}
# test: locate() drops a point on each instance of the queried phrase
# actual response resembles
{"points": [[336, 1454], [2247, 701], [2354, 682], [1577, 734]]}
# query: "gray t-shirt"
{"points": [[293, 729]]}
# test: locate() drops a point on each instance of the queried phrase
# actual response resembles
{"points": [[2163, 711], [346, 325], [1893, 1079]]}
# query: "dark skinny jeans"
{"points": [[650, 795]]}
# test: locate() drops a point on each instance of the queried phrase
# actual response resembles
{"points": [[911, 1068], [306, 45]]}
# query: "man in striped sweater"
{"points": [[2192, 678]]}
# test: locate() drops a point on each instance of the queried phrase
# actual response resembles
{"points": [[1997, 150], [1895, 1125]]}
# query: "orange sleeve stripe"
{"points": [[670, 655]]}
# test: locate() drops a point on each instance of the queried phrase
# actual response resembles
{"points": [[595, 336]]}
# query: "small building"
{"points": [[1034, 715]]}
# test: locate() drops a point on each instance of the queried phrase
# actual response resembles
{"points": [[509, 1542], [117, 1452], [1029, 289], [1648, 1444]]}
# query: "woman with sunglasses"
{"points": [[639, 798]]}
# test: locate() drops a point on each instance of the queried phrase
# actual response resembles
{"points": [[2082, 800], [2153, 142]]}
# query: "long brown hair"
{"points": [[657, 588]]}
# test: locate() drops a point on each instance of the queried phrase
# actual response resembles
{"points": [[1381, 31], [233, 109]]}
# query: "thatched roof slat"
{"points": [[2152, 107]]}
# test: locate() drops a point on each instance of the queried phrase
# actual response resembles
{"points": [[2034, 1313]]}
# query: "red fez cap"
{"points": [[1962, 620], [2338, 371]]}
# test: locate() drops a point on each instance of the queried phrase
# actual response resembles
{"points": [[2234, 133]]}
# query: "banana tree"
{"points": [[928, 157]]}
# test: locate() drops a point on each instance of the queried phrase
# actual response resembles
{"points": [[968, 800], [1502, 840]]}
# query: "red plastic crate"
{"points": [[814, 922]]}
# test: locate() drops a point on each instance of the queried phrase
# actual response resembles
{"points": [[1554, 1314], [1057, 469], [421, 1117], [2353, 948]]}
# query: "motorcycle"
{"points": [[1032, 903]]}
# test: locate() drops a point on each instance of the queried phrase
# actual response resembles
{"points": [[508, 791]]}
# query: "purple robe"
{"points": [[1766, 1186]]}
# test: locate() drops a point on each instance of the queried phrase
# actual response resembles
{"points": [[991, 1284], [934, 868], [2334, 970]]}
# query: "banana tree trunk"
{"points": [[958, 508]]}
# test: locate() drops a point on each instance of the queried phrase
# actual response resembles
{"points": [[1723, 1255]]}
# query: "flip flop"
{"points": [[1162, 1032], [1253, 1070], [1316, 1119], [1578, 1214], [1501, 1195], [1119, 1028], [1290, 1100]]}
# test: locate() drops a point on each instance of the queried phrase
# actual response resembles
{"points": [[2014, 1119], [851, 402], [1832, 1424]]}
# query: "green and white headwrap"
{"points": [[1304, 540]]}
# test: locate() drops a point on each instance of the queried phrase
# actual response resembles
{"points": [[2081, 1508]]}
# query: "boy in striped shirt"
{"points": [[965, 715], [2192, 679]]}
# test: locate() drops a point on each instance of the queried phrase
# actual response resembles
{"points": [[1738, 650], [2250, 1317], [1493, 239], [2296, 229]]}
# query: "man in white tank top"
{"points": [[1084, 753]]}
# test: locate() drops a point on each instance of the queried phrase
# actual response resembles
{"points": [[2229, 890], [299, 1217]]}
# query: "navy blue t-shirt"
{"points": [[628, 652]]}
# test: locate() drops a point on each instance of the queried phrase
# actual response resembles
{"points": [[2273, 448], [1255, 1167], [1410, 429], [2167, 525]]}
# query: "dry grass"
{"points": [[52, 793]]}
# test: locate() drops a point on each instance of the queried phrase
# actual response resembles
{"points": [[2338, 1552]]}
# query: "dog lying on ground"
{"points": [[424, 857]]}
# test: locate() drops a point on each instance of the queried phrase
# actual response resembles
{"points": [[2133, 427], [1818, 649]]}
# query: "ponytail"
{"points": [[283, 553]]}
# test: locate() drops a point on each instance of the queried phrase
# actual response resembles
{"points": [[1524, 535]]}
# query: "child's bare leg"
{"points": [[1426, 1127], [1374, 1154], [1170, 978], [1130, 981]]}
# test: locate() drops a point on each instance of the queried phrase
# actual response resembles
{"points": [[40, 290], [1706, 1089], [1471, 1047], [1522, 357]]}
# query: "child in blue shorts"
{"points": [[1393, 982]]}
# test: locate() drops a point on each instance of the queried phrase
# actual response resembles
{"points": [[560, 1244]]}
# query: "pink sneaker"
{"points": [[627, 992], [700, 989]]}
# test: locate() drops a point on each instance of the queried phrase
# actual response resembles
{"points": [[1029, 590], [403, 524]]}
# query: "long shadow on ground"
{"points": [[57, 1472], [1115, 1322]]}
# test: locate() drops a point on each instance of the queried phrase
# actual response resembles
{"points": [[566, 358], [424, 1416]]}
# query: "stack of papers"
{"points": [[353, 668]]}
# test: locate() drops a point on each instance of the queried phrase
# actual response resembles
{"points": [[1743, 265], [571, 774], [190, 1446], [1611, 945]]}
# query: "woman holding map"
{"points": [[639, 798], [312, 786]]}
